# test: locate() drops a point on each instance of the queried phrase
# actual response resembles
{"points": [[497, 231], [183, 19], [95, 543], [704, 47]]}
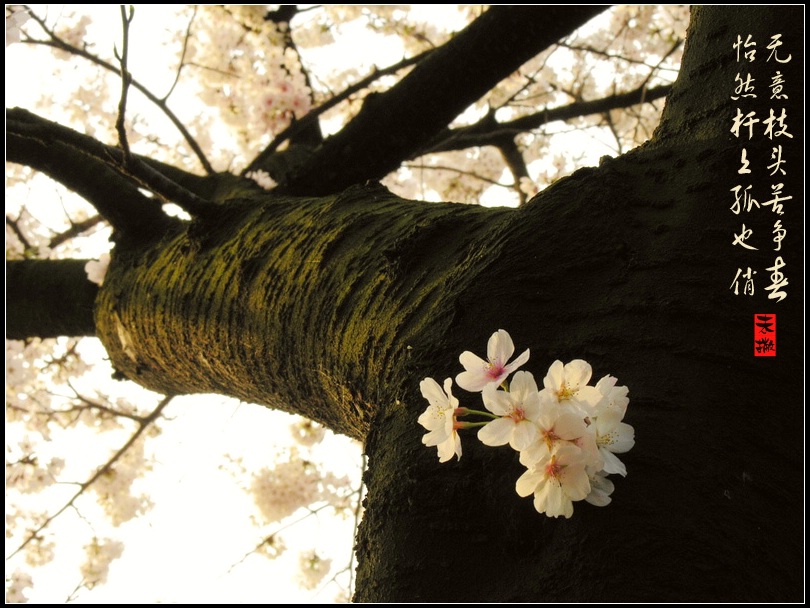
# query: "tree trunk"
{"points": [[337, 307], [627, 266]]}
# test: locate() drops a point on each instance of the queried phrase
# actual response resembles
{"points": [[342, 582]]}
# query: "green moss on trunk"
{"points": [[314, 306]]}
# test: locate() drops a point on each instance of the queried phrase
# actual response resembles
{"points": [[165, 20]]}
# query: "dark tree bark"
{"points": [[48, 299], [440, 88], [337, 307]]}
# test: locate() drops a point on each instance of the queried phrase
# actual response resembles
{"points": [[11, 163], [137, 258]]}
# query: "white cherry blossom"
{"points": [[439, 418], [558, 483], [100, 554], [517, 409], [478, 373], [568, 385], [16, 16], [613, 397], [313, 568], [601, 489], [17, 583], [613, 437], [556, 427]]}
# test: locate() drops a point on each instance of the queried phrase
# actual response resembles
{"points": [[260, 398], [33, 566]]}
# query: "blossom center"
{"points": [[553, 469], [605, 440], [565, 392], [517, 414], [494, 370], [550, 438]]}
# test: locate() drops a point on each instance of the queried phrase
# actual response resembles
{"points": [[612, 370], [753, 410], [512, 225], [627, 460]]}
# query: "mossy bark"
{"points": [[314, 306]]}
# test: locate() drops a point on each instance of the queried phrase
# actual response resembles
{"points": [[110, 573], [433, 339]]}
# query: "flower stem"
{"points": [[470, 425], [480, 413]]}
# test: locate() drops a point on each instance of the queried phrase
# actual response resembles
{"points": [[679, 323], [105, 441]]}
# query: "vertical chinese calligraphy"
{"points": [[762, 127]]}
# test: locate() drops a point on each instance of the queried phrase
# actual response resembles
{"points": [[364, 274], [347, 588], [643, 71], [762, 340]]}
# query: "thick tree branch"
{"points": [[516, 163], [488, 131], [48, 299], [48, 146], [81, 164], [433, 94]]}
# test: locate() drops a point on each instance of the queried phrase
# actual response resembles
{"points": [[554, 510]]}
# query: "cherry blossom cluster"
{"points": [[16, 584], [567, 433], [100, 554], [296, 482], [114, 489], [312, 569], [16, 15]]}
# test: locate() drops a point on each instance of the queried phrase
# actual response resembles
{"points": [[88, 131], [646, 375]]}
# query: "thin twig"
{"points": [[101, 471], [126, 79], [674, 48], [56, 42], [75, 230], [16, 230], [299, 125], [609, 55], [459, 171], [182, 63], [90, 404], [310, 512], [73, 594], [612, 128]]}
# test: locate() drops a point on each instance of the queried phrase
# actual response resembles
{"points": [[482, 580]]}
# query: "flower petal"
{"points": [[500, 347], [577, 373], [601, 489], [497, 402], [612, 463], [474, 377], [496, 432], [551, 500], [527, 483], [554, 378], [433, 393], [575, 482], [522, 386], [623, 439], [524, 356], [587, 398], [434, 437], [452, 402], [535, 455], [524, 434], [430, 418], [569, 426]]}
